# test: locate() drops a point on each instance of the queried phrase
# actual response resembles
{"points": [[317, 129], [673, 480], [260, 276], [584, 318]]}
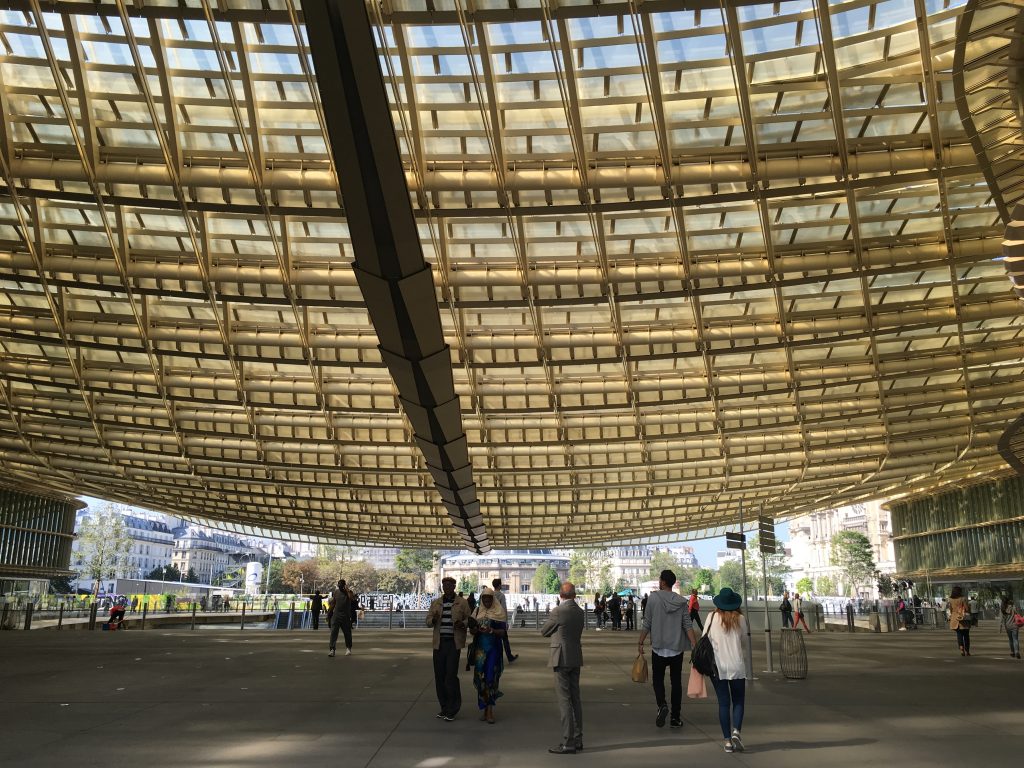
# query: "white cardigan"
{"points": [[730, 648]]}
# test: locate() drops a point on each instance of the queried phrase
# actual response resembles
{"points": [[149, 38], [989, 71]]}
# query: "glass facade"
{"points": [[973, 532], [36, 533]]}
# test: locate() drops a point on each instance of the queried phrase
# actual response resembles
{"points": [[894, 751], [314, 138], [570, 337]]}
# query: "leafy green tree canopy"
{"points": [[805, 586], [663, 561], [852, 554], [730, 575], [545, 580], [416, 562], [104, 545]]}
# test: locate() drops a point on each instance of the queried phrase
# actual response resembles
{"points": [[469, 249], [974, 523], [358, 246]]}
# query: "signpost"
{"points": [[766, 538]]}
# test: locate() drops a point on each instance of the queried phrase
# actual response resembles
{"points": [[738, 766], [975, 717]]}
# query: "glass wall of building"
{"points": [[35, 536], [972, 533]]}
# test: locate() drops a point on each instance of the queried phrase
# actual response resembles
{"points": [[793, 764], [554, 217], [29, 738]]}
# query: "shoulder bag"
{"points": [[640, 669], [703, 656]]}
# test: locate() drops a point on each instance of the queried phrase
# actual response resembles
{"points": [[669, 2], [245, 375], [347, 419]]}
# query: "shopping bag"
{"points": [[696, 686], [640, 669]]}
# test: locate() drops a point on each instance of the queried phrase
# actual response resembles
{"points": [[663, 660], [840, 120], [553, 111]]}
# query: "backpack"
{"points": [[703, 656]]}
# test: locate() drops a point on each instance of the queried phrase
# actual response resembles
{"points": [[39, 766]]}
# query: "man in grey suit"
{"points": [[565, 628]]}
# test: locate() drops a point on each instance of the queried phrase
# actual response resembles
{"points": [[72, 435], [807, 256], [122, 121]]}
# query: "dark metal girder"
{"points": [[393, 275]]}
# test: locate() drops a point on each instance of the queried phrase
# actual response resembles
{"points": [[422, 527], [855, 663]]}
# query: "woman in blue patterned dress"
{"points": [[490, 624]]}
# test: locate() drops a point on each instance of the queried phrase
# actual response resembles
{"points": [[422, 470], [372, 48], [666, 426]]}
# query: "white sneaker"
{"points": [[348, 651], [737, 742]]}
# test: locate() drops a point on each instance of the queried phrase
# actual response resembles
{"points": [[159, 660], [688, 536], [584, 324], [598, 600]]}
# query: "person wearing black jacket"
{"points": [[316, 607], [786, 608]]}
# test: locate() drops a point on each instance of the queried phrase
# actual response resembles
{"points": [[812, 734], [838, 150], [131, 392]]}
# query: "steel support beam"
{"points": [[393, 275]]}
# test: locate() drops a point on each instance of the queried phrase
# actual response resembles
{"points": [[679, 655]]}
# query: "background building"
{"points": [[972, 536], [36, 534], [810, 540], [515, 567]]}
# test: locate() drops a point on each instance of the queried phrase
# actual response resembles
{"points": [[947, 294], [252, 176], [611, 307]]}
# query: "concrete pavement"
{"points": [[263, 698]]}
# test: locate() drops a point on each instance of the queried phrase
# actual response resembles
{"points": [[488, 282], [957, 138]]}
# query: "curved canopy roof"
{"points": [[684, 261]]}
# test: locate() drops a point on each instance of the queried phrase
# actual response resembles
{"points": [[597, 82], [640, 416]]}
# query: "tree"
{"points": [[590, 568], [61, 585], [545, 580], [416, 562], [703, 580], [730, 575], [391, 581], [777, 567], [468, 584], [885, 585], [663, 561], [274, 578], [191, 577], [300, 575], [825, 585], [104, 545], [805, 586], [360, 576], [851, 553]]}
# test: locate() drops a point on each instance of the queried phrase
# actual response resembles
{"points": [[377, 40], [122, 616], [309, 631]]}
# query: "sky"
{"points": [[705, 549]]}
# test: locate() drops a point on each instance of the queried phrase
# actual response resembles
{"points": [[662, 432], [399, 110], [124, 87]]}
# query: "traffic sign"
{"points": [[736, 540]]}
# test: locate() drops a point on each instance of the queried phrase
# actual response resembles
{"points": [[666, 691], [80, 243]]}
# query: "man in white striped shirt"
{"points": [[448, 615]]}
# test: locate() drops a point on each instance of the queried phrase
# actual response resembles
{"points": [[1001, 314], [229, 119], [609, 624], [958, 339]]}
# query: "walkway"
{"points": [[267, 699]]}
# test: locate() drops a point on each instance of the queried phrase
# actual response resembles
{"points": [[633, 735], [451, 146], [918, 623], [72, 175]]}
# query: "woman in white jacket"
{"points": [[727, 630]]}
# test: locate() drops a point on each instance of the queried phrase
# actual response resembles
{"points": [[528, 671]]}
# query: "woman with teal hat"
{"points": [[727, 631]]}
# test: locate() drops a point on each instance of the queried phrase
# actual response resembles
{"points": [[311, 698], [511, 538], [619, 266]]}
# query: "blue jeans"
{"points": [[1014, 636], [731, 694]]}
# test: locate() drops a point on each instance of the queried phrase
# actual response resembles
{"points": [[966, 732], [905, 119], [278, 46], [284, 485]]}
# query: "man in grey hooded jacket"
{"points": [[667, 621]]}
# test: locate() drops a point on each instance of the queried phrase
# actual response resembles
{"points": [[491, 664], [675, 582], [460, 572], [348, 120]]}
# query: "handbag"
{"points": [[640, 669], [696, 686], [703, 656]]}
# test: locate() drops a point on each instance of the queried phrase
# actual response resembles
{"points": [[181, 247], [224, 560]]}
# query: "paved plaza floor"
{"points": [[221, 698]]}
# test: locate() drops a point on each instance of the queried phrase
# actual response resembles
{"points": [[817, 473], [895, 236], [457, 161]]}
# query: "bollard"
{"points": [[193, 616], [291, 615], [849, 618], [92, 615], [28, 616], [145, 609], [60, 616], [391, 618], [242, 624]]}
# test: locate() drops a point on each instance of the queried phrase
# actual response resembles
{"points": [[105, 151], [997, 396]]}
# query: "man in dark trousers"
{"points": [[340, 614], [449, 616], [565, 628], [316, 607], [667, 621]]}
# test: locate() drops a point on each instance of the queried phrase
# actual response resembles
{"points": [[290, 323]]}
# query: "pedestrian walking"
{"points": [[316, 607], [472, 601], [667, 621], [1012, 621], [615, 610], [727, 631], [448, 615], [960, 619], [694, 607], [643, 605], [786, 609], [598, 610], [565, 628], [490, 621], [499, 594], [630, 614], [798, 613], [340, 616]]}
